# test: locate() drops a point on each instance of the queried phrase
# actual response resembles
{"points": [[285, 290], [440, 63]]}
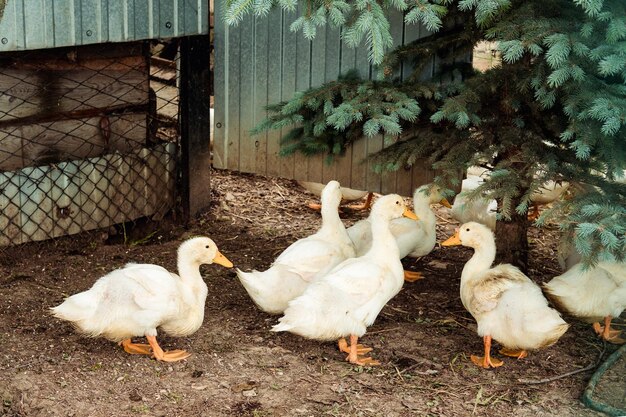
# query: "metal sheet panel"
{"points": [[261, 62], [38, 24]]}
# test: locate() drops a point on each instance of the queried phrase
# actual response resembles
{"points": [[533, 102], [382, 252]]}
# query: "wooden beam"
{"points": [[41, 88], [194, 124], [51, 142]]}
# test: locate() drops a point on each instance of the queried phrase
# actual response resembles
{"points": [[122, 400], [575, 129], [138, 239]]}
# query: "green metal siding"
{"points": [[38, 24], [261, 62]]}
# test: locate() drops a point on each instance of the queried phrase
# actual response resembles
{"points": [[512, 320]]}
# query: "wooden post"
{"points": [[194, 124]]}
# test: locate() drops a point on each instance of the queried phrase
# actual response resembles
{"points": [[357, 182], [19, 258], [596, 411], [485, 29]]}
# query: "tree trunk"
{"points": [[512, 241]]}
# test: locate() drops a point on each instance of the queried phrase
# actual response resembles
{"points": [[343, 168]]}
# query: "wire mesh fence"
{"points": [[89, 137]]}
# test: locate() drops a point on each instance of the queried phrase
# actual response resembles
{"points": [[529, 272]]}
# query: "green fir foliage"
{"points": [[555, 110]]}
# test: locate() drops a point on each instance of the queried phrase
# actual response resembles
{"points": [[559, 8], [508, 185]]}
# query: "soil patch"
{"points": [[423, 337]]}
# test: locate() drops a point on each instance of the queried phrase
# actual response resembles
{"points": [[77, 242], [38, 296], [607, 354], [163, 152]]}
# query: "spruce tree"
{"points": [[554, 110]]}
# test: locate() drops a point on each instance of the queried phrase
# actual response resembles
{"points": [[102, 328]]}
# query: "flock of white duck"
{"points": [[333, 284]]}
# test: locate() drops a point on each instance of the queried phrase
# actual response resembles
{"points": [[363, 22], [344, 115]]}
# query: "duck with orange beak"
{"points": [[507, 306], [137, 299], [347, 300]]}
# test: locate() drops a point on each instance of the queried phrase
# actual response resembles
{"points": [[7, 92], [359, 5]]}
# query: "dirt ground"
{"points": [[423, 337]]}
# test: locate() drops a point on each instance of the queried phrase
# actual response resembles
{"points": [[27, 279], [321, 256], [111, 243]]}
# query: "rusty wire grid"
{"points": [[89, 138]]}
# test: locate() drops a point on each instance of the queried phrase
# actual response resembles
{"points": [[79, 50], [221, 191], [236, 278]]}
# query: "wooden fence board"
{"points": [[57, 86], [167, 99], [41, 143]]}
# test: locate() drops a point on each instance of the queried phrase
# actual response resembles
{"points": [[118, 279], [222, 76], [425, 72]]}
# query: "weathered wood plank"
{"points": [[42, 143], [359, 148], [48, 87], [420, 174], [332, 70], [221, 95], [373, 179], [163, 69], [194, 126], [167, 99], [315, 164]]}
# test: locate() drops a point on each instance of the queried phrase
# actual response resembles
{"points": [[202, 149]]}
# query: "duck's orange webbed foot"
{"points": [[135, 348], [353, 353], [534, 215], [363, 206], [514, 353], [412, 276], [169, 356], [486, 361], [606, 333], [360, 349]]}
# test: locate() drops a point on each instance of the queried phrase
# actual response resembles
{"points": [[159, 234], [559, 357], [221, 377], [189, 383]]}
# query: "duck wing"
{"points": [[311, 258], [153, 287], [491, 284]]}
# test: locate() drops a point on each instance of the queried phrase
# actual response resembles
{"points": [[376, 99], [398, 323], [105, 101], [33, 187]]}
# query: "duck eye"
{"points": [[397, 203], [207, 246], [467, 230]]}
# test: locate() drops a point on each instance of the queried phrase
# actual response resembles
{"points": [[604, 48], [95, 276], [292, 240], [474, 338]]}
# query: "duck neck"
{"points": [[421, 207], [483, 258], [189, 273], [383, 243], [330, 219]]}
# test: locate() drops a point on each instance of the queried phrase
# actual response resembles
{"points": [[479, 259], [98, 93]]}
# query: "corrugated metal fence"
{"points": [[37, 24], [262, 62]]}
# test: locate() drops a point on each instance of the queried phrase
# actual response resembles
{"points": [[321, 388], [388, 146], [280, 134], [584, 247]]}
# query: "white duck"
{"points": [[347, 194], [549, 192], [139, 298], [506, 304], [348, 299], [592, 294], [415, 238], [304, 261], [484, 210], [479, 210]]}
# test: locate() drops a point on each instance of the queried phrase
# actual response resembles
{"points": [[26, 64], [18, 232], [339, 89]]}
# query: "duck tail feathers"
{"points": [[76, 308], [281, 327]]}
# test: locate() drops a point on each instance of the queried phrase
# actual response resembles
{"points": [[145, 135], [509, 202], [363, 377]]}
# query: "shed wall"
{"points": [[260, 62], [38, 24]]}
